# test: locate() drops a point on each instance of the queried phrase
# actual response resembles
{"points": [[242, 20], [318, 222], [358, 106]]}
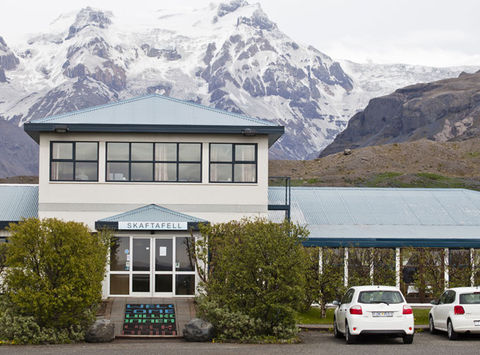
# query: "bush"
{"points": [[54, 276], [255, 279], [20, 329]]}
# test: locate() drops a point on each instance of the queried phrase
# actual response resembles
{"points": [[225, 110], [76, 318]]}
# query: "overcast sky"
{"points": [[427, 32]]}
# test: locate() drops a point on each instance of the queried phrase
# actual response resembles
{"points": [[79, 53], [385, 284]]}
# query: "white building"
{"points": [[152, 168]]}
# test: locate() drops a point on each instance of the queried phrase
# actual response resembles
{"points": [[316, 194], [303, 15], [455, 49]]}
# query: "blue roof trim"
{"points": [[138, 98], [392, 243]]}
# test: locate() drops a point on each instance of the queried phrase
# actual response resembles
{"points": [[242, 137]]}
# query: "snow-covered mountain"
{"points": [[228, 55]]}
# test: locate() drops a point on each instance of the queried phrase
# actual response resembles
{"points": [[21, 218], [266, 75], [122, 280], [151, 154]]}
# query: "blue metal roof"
{"points": [[152, 212], [362, 216], [17, 202], [154, 110], [154, 114]]}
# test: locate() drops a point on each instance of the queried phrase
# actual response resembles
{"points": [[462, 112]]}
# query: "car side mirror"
{"points": [[434, 302], [336, 303]]}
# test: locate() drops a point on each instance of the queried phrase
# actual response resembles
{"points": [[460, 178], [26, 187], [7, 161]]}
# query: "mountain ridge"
{"points": [[229, 56]]}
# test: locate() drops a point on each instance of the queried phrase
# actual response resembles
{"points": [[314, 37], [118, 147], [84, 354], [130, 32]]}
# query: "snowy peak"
{"points": [[230, 6], [89, 17], [8, 60]]}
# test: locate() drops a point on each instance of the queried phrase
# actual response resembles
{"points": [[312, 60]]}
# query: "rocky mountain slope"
{"points": [[422, 163], [228, 55], [441, 111]]}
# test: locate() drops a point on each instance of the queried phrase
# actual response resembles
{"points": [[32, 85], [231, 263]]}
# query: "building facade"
{"points": [[153, 168]]}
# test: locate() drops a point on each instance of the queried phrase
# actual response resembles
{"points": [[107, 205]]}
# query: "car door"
{"points": [[441, 311], [343, 309]]}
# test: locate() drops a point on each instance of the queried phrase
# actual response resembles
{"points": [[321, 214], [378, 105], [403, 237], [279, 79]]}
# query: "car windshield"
{"points": [[470, 298], [380, 296]]}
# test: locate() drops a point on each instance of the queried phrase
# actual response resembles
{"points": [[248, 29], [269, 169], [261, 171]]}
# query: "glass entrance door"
{"points": [[163, 255], [141, 266], [145, 267]]}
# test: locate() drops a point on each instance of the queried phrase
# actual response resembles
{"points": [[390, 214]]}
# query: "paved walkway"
{"points": [[184, 310]]}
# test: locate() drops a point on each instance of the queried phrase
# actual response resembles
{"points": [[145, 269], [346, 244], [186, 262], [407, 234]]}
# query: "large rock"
{"points": [[102, 331], [198, 330]]}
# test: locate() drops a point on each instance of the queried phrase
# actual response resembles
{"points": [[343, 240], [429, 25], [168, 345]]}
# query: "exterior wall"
{"points": [[90, 201]]}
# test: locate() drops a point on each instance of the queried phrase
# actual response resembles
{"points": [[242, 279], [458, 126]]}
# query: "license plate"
{"points": [[476, 323], [382, 314]]}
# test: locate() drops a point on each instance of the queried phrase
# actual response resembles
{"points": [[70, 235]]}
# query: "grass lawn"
{"points": [[313, 316]]}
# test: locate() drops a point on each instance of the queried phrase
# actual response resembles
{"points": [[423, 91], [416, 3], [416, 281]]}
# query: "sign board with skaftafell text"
{"points": [[157, 226]]}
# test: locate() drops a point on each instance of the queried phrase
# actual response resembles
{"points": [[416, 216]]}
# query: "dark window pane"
{"points": [[142, 151], [119, 252], [189, 172], [184, 261], [140, 283], [119, 284], [117, 171], [189, 152], [62, 150], [245, 173], [221, 152], [142, 171], [163, 283], [141, 254], [163, 255], [62, 171], [165, 172], [185, 285], [86, 171], [166, 151], [245, 152], [221, 172], [117, 151], [86, 151]]}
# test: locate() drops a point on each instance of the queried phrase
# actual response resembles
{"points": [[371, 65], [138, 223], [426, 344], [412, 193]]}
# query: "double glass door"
{"points": [[144, 266]]}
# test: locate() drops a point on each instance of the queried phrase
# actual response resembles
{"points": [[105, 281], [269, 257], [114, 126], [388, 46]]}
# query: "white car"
{"points": [[456, 311], [370, 310]]}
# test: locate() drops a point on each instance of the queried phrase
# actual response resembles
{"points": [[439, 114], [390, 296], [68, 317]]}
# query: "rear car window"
{"points": [[380, 297], [470, 298]]}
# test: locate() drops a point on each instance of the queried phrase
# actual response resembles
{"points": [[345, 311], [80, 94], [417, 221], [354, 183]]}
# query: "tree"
{"points": [[55, 271], [253, 267], [330, 280]]}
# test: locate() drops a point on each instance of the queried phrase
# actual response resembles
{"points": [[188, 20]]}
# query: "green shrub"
{"points": [[25, 330], [256, 272], [54, 275]]}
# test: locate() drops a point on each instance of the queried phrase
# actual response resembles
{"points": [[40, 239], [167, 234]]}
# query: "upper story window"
{"points": [[163, 162], [74, 161], [233, 162]]}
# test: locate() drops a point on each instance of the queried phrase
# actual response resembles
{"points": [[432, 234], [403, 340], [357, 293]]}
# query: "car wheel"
{"points": [[452, 334], [336, 332], [349, 338], [431, 326], [408, 339]]}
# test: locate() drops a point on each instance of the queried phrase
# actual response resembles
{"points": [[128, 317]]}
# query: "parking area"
{"points": [[314, 342]]}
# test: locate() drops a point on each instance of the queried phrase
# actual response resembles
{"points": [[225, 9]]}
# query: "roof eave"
{"points": [[34, 129]]}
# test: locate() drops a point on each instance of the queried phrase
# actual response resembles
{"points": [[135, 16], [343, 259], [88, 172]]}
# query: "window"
{"points": [[348, 296], [380, 296], [233, 162], [470, 298], [74, 161], [162, 162]]}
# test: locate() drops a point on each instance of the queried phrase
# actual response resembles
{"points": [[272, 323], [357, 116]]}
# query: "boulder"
{"points": [[198, 330], [102, 331]]}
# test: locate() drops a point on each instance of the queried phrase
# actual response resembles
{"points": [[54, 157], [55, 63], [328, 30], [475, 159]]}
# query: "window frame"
{"points": [[233, 162], [153, 162], [73, 161]]}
